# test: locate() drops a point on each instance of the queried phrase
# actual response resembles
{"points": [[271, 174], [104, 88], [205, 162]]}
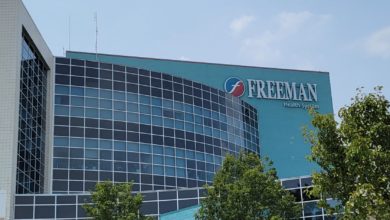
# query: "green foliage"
{"points": [[355, 157], [247, 188], [114, 202]]}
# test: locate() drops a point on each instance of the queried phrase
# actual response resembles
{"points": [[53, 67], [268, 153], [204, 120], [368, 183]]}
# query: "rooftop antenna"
{"points": [[69, 32], [96, 37]]}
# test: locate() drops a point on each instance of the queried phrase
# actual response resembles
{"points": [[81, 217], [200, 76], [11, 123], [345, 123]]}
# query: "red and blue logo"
{"points": [[235, 86]]}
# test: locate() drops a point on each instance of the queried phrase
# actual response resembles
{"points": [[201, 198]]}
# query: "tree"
{"points": [[247, 188], [354, 155], [114, 201]]}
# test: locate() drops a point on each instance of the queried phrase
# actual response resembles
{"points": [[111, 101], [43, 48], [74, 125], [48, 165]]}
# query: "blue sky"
{"points": [[349, 39]]}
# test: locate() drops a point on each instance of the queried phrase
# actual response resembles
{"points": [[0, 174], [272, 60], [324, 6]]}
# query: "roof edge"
{"points": [[197, 62]]}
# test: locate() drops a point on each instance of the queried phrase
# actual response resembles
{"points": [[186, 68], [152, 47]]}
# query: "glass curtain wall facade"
{"points": [[32, 119], [126, 124]]}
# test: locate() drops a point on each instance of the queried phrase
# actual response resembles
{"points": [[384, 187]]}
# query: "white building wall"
{"points": [[14, 16]]}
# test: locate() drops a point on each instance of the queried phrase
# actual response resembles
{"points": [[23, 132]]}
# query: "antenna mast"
{"points": [[69, 32], [96, 36]]}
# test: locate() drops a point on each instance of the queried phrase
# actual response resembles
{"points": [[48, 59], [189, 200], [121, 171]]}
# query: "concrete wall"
{"points": [[13, 16]]}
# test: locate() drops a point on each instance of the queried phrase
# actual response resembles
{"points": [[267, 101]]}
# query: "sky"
{"points": [[349, 39]]}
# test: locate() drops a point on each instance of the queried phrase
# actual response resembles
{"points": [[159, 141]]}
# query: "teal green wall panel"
{"points": [[182, 214]]}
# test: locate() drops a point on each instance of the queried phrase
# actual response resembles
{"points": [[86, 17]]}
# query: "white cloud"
{"points": [[273, 45], [239, 24], [378, 43]]}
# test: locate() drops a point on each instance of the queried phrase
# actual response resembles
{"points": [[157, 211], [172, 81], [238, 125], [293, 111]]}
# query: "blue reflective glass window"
{"points": [[169, 161], [106, 114], [207, 131], [107, 94], [218, 160], [60, 163], [92, 102], [92, 92], [170, 171], [190, 154], [180, 162], [118, 105], [210, 176], [105, 103], [91, 164], [91, 154], [105, 165], [145, 109], [198, 110], [207, 113], [169, 151], [144, 99], [179, 106], [61, 110], [179, 125], [158, 170], [167, 104], [181, 172], [215, 115], [189, 117], [157, 159], [120, 145], [76, 164], [91, 143], [179, 115], [145, 119], [188, 108], [146, 158], [189, 127], [201, 175], [210, 158], [105, 144], [60, 141], [77, 111], [157, 111], [210, 167], [145, 148], [62, 89], [180, 153], [134, 147], [146, 168], [199, 129], [133, 167], [157, 120], [132, 107], [132, 117], [119, 95], [62, 100], [77, 91], [91, 112], [168, 123], [200, 156], [120, 166], [223, 117], [224, 135], [77, 101], [76, 142], [216, 133], [119, 116], [156, 101], [132, 97], [157, 149], [198, 119]]}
